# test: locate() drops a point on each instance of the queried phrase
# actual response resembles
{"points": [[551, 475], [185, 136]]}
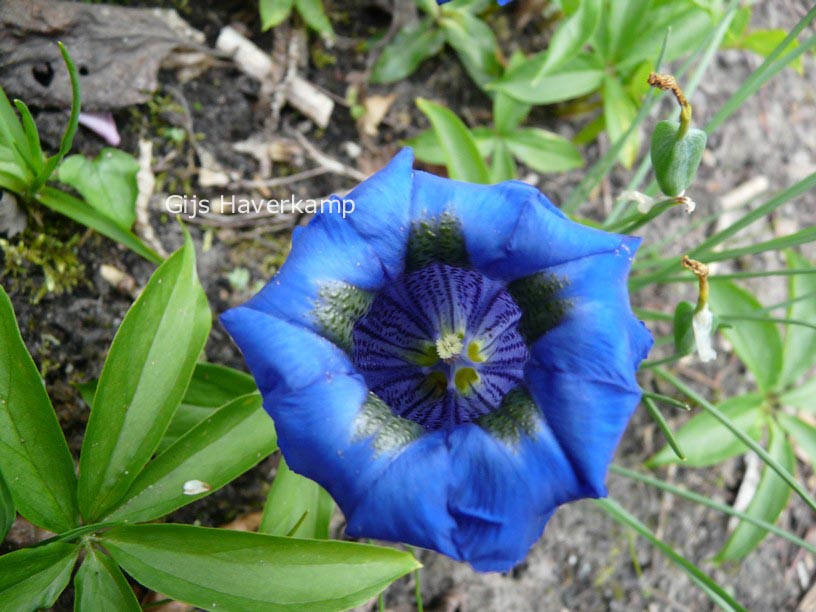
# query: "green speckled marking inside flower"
{"points": [[517, 416], [390, 432], [541, 309], [436, 240], [339, 307]]}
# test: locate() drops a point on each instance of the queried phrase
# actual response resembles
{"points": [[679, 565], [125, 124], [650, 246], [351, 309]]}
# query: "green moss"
{"points": [[56, 261]]}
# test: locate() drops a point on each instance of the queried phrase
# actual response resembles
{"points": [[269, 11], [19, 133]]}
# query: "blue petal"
{"points": [[313, 394], [543, 237], [488, 214], [504, 494], [328, 250], [469, 495], [582, 372], [381, 208], [408, 502]]}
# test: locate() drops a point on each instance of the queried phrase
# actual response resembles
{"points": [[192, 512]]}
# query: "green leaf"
{"points": [[578, 78], [756, 342], [474, 42], [622, 23], [508, 113], [314, 15], [34, 456], [684, 342], [619, 113], [769, 500], [218, 450], [296, 506], [32, 139], [219, 569], [461, 152], [73, 121], [143, 381], [403, 55], [705, 441], [13, 138], [33, 578], [543, 151], [502, 167], [763, 43], [8, 511], [211, 387], [802, 397], [799, 350], [100, 585], [427, 148], [273, 12], [676, 159], [689, 24], [81, 212], [804, 434], [571, 36], [107, 183]]}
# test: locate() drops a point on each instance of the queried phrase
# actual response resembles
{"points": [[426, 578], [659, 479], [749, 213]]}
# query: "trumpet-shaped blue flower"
{"points": [[450, 361]]}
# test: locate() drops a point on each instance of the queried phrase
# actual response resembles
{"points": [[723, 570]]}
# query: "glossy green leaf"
{"points": [[81, 212], [619, 113], [33, 578], [769, 500], [314, 15], [403, 55], [803, 434], [802, 397], [143, 381], [571, 36], [705, 441], [474, 43], [799, 350], [502, 166], [107, 183], [211, 387], [578, 78], [8, 511], [756, 342], [218, 569], [462, 155], [273, 12], [296, 506], [100, 585], [34, 456], [684, 342], [216, 451], [543, 151], [675, 160], [621, 24]]}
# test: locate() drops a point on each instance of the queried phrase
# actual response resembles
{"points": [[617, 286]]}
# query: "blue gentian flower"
{"points": [[451, 361]]}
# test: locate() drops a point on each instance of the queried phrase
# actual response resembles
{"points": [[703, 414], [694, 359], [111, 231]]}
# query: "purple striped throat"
{"points": [[441, 346]]}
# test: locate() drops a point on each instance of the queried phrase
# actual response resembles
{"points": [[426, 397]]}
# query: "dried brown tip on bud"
{"points": [[667, 82], [699, 268]]}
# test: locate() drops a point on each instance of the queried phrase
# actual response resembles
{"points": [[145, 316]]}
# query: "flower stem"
{"points": [[701, 271]]}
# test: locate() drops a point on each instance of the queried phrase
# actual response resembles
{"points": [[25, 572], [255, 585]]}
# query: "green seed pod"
{"points": [[683, 334], [676, 158]]}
